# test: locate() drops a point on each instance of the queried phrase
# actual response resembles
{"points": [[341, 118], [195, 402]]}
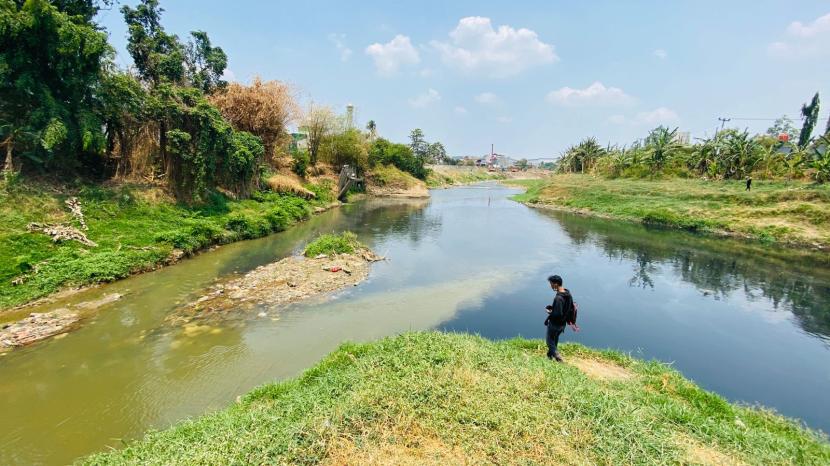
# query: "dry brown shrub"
{"points": [[289, 185], [264, 109]]}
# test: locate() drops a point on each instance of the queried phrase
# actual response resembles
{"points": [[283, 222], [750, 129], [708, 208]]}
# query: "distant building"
{"points": [[299, 140]]}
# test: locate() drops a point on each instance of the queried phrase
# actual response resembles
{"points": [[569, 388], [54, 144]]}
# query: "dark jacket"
{"points": [[562, 301]]}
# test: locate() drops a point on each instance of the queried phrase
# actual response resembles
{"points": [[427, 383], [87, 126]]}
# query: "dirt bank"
{"points": [[289, 280]]}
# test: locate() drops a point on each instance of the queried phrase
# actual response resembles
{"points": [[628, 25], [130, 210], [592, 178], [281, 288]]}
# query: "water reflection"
{"points": [[792, 281]]}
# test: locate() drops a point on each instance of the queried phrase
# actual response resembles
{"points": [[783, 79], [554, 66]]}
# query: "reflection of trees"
{"points": [[797, 281], [383, 218]]}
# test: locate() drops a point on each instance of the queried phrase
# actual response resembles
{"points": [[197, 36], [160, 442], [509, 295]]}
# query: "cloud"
{"points": [[504, 119], [460, 110], [803, 40], [338, 41], [596, 94], [486, 98], [475, 47], [426, 99], [391, 56], [658, 116], [228, 75], [661, 54]]}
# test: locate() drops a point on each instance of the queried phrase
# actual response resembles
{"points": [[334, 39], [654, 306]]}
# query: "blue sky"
{"points": [[530, 77]]}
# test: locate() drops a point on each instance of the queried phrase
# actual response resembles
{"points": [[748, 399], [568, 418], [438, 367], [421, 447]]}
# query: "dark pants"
{"points": [[552, 338]]}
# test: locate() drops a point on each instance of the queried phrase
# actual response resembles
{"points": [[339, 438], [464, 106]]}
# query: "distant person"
{"points": [[559, 314], [748, 183]]}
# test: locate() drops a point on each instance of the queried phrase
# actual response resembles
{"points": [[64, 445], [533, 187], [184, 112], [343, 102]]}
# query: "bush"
{"points": [[383, 152], [328, 244], [300, 160]]}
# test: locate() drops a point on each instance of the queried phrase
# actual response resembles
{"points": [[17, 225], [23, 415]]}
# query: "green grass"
{"points": [[797, 213], [392, 177], [450, 176], [435, 398], [328, 244], [136, 229]]}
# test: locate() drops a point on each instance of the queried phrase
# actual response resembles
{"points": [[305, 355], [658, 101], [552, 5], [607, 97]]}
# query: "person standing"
{"points": [[557, 315], [748, 183]]}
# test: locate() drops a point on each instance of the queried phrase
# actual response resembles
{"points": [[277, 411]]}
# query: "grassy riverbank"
{"points": [[136, 228], [442, 176], [794, 213], [435, 398]]}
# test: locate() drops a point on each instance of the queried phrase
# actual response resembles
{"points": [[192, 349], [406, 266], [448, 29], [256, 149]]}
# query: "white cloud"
{"points": [[661, 54], [228, 75], [595, 94], [504, 119], [427, 73], [819, 26], [487, 98], [658, 116], [460, 110], [426, 99], [339, 41], [391, 56], [476, 47], [803, 40]]}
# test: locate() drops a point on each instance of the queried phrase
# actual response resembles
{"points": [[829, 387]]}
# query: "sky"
{"points": [[530, 77]]}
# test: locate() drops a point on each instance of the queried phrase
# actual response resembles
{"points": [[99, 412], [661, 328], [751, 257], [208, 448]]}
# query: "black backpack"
{"points": [[571, 313]]}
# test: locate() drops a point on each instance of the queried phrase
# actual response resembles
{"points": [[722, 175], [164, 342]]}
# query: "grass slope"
{"points": [[435, 398], [332, 243], [136, 228], [786, 212]]}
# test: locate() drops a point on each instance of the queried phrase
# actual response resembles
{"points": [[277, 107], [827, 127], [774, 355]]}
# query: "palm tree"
{"points": [[373, 129]]}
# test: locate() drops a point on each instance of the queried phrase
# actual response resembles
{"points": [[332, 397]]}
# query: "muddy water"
{"points": [[738, 319]]}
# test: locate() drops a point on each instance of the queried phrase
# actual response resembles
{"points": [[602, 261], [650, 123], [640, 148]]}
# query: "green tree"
{"points": [[783, 125], [372, 128], [661, 144], [158, 57], [418, 143], [436, 153], [347, 148], [205, 63], [383, 152], [810, 114], [522, 164], [50, 65]]}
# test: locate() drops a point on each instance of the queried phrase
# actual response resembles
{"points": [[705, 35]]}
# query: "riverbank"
{"points": [[788, 213], [446, 176], [436, 398], [131, 229]]}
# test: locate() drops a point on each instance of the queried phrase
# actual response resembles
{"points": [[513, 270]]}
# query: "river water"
{"points": [[748, 322]]}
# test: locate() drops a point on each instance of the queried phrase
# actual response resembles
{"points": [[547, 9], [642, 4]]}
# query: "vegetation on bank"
{"points": [[780, 153], [135, 227], [330, 243], [781, 211], [436, 398], [450, 176]]}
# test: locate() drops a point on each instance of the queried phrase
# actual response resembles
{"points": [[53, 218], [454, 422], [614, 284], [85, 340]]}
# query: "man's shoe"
{"points": [[558, 358]]}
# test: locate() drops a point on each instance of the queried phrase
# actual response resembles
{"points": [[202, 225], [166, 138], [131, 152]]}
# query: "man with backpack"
{"points": [[560, 313]]}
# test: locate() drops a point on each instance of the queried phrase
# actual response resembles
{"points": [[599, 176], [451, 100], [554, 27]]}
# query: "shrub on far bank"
{"points": [[383, 152]]}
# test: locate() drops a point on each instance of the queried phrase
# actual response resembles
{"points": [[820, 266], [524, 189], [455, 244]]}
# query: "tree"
{"points": [[436, 153], [50, 63], [522, 164], [205, 63], [418, 144], [158, 57], [383, 152], [346, 148], [264, 109], [372, 128], [810, 114], [582, 156], [319, 123], [662, 144], [783, 125]]}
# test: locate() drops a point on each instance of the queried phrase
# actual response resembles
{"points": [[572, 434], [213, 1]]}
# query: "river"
{"points": [[748, 322]]}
